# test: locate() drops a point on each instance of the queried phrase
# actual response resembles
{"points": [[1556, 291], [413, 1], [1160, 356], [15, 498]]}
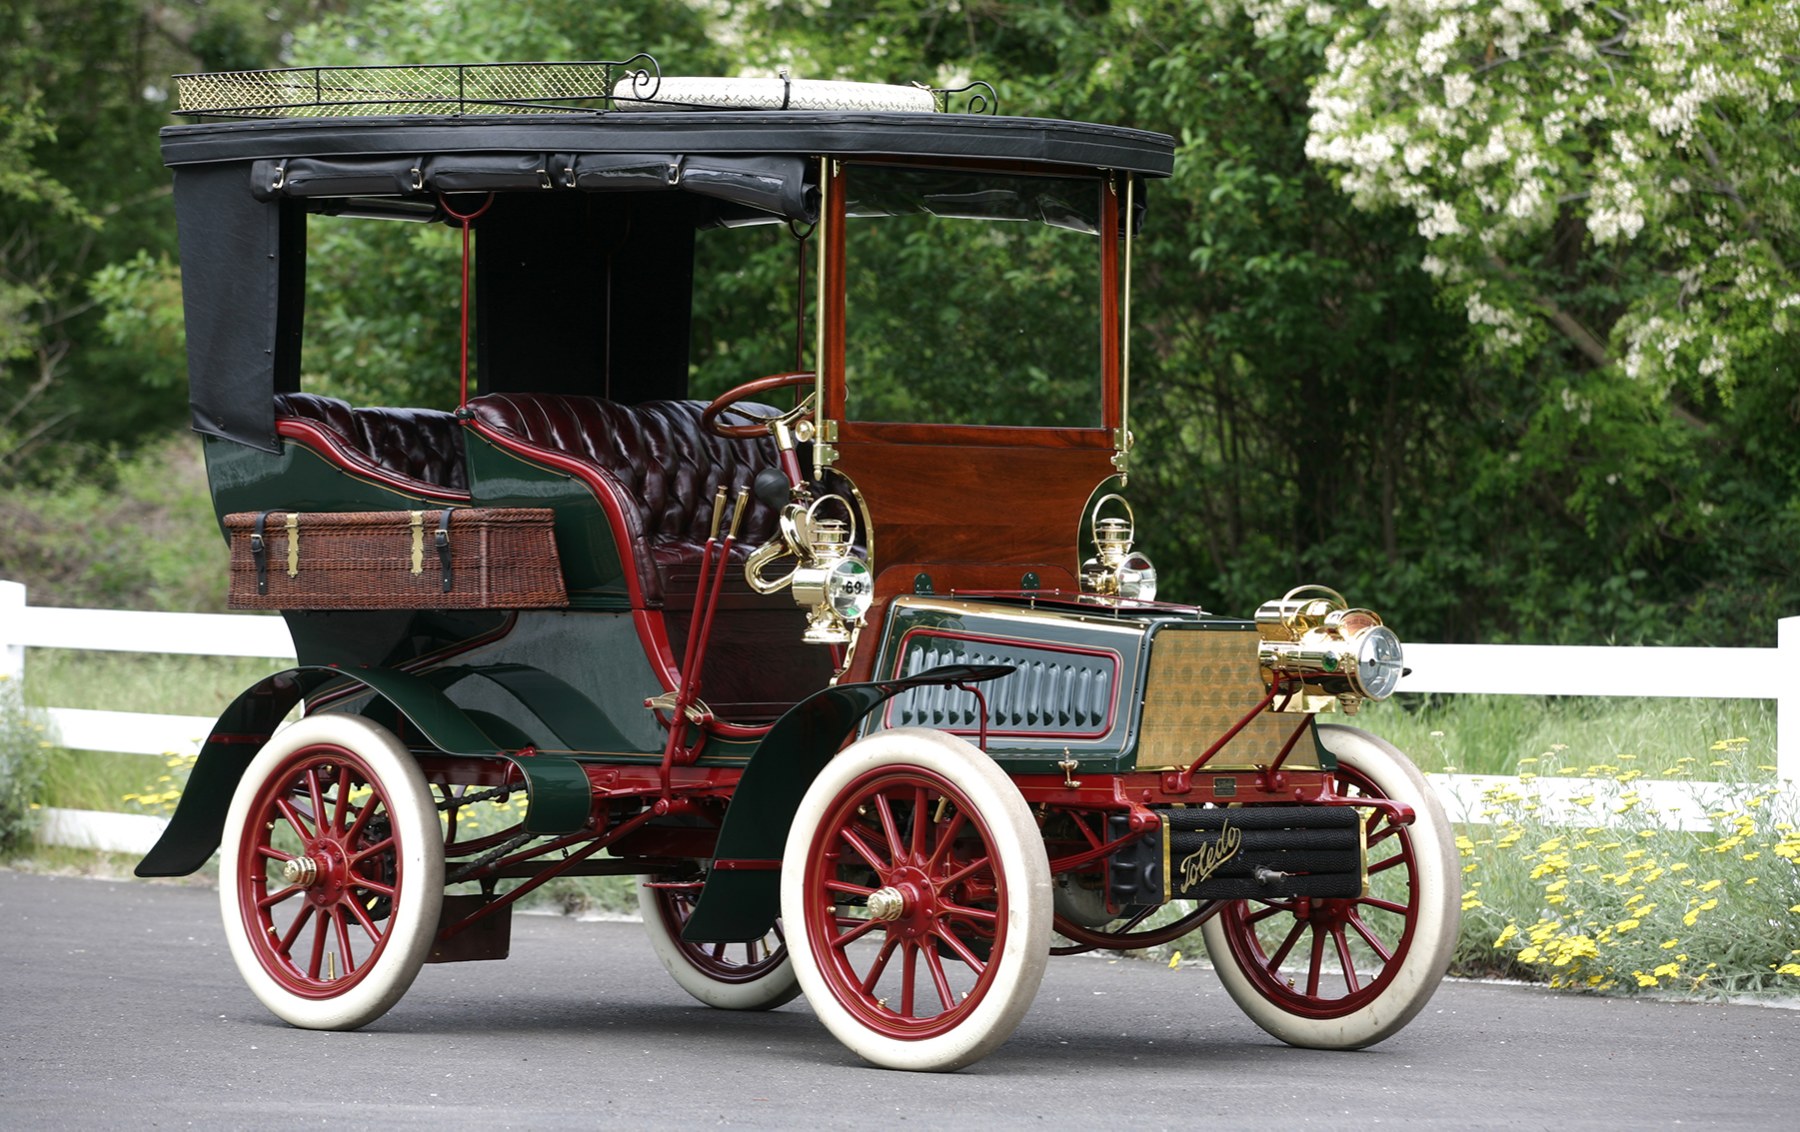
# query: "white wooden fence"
{"points": [[1702, 673]]}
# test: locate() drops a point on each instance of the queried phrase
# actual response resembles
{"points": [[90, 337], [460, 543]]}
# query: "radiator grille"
{"points": [[1201, 684], [1053, 692]]}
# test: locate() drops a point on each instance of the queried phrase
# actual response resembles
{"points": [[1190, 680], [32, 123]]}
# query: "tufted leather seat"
{"points": [[664, 469], [423, 446]]}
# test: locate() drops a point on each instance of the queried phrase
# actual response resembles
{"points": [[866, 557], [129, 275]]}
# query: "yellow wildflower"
{"points": [[1644, 980]]}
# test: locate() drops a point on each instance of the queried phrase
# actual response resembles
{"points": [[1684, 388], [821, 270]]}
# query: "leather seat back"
{"points": [[661, 466], [423, 446]]}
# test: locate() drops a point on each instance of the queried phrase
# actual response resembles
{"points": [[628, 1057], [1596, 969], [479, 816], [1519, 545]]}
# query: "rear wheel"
{"points": [[1346, 973], [917, 893], [751, 975], [331, 873]]}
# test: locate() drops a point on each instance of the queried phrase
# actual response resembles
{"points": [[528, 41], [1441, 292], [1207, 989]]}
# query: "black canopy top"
{"points": [[798, 133], [243, 188]]}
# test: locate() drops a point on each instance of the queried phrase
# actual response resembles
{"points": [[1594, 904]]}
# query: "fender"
{"points": [[742, 895], [556, 786]]}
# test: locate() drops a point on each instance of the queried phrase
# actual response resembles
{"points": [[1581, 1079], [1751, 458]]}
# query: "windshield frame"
{"points": [[835, 424]]}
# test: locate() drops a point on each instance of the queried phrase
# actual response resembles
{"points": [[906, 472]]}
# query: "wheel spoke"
{"points": [[1271, 909], [275, 898], [964, 873], [946, 839], [921, 807], [856, 843], [293, 818], [383, 846], [888, 829], [845, 888], [1369, 937], [964, 912], [343, 939], [362, 917], [316, 793], [938, 978], [343, 798], [1351, 983], [969, 958], [1287, 945], [321, 932], [881, 961], [363, 815], [286, 945], [1384, 865], [1384, 905], [862, 928], [1315, 964], [909, 977]]}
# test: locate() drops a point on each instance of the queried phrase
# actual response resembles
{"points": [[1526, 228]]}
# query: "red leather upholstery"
{"points": [[663, 468], [423, 448]]}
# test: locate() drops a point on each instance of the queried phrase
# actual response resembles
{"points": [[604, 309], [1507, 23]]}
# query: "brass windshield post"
{"points": [[1122, 461], [823, 453]]}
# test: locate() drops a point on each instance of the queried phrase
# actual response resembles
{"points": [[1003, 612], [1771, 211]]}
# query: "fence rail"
{"points": [[1700, 673]]}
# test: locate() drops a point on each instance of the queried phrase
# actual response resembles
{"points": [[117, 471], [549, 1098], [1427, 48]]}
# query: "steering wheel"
{"points": [[726, 402]]}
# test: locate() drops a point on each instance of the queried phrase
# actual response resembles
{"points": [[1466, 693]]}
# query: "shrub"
{"points": [[1631, 905], [24, 751]]}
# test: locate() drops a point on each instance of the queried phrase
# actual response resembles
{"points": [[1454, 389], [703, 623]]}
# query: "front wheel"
{"points": [[752, 975], [1343, 973], [916, 893], [331, 872]]}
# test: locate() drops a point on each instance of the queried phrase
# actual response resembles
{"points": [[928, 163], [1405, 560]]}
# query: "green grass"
{"points": [[1578, 736], [151, 682], [115, 681]]}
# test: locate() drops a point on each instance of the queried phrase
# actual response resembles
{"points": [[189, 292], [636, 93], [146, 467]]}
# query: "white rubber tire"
{"points": [[770, 989], [762, 93], [1017, 850], [412, 919], [1437, 913]]}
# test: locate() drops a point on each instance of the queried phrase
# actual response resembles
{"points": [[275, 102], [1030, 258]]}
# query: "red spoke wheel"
{"points": [[331, 873], [749, 975], [917, 890], [1346, 973]]}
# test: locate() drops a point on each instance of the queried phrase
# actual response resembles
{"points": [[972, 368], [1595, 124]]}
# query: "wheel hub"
{"points": [[323, 871], [887, 903], [302, 871]]}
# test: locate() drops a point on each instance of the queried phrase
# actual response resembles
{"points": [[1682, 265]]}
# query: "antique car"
{"points": [[843, 649]]}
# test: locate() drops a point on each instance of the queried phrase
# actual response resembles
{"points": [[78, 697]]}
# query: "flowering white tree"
{"points": [[1620, 175]]}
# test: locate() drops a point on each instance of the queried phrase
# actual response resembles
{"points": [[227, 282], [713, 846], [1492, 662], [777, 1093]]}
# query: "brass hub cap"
{"points": [[302, 871], [887, 903]]}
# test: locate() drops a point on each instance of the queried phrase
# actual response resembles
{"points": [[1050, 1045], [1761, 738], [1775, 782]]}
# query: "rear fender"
{"points": [[558, 791], [742, 896]]}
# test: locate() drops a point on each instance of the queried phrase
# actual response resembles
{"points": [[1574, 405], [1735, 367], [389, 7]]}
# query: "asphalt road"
{"points": [[120, 1008]]}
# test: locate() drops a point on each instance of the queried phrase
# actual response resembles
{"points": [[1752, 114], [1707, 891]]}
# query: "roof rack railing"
{"points": [[427, 88], [458, 89]]}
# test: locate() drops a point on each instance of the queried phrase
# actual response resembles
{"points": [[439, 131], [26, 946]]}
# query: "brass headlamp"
{"points": [[1325, 653], [835, 586], [1116, 570]]}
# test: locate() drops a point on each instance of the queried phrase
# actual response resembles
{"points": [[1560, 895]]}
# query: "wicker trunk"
{"points": [[463, 558]]}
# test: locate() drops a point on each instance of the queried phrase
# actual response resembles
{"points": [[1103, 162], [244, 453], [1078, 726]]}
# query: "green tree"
{"points": [[1609, 198], [84, 87]]}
